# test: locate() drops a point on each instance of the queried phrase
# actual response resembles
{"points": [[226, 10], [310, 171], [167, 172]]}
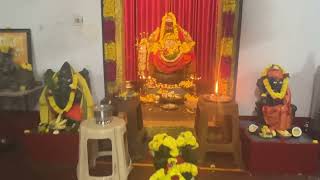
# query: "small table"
{"points": [[22, 94], [278, 155], [227, 115]]}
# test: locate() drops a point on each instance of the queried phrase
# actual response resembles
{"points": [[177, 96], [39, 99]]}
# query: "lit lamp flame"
{"points": [[216, 89]]}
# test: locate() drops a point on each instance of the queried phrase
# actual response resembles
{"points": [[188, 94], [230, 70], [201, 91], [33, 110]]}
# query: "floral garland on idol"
{"points": [[174, 158], [54, 118], [53, 103], [284, 88]]}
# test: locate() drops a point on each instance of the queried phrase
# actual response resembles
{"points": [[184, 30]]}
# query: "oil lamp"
{"points": [[217, 96]]}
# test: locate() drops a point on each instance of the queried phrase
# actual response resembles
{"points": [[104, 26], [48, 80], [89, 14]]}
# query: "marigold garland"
{"points": [[229, 6], [73, 87], [227, 46], [108, 8], [276, 95], [110, 51]]}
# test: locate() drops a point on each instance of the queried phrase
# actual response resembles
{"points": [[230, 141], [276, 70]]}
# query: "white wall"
{"points": [[286, 32], [56, 39]]}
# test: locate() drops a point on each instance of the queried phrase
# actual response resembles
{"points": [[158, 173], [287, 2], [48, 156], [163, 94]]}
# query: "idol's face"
{"points": [[65, 79], [276, 84], [169, 26], [65, 76]]}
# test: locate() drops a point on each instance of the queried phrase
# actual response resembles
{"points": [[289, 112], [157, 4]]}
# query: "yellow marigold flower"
{"points": [[181, 141], [174, 152], [191, 140], [151, 145], [195, 146], [170, 142], [187, 134], [158, 175], [110, 51], [172, 161], [229, 6], [194, 170], [227, 46], [182, 167], [174, 171], [108, 8], [157, 141], [160, 136]]}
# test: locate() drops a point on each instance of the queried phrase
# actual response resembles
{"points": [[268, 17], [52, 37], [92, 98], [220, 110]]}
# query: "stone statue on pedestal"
{"points": [[274, 105]]}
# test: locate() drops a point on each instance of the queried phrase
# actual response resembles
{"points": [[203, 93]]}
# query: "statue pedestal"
{"points": [[278, 155]]}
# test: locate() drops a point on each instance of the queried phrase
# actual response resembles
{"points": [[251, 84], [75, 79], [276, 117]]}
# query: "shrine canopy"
{"points": [[198, 22]]}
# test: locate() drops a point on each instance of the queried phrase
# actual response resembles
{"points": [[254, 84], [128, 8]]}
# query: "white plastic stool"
{"points": [[125, 164], [115, 131]]}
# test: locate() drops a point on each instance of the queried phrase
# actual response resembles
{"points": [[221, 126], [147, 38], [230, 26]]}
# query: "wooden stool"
{"points": [[115, 132], [228, 113]]}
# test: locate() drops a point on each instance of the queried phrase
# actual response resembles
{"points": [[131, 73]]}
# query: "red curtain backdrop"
{"points": [[198, 17]]}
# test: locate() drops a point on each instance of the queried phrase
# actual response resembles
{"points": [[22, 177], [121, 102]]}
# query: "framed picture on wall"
{"points": [[19, 40]]}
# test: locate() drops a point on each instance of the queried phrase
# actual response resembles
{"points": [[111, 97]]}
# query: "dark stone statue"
{"points": [[274, 105], [61, 89]]}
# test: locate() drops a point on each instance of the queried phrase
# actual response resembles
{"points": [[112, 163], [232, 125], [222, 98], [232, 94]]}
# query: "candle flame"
{"points": [[216, 89]]}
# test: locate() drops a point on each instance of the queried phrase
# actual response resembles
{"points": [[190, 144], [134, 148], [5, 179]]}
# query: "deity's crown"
{"points": [[272, 67], [169, 17], [275, 67]]}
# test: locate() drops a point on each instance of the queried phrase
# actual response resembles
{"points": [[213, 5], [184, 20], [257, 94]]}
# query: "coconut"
{"points": [[296, 132]]}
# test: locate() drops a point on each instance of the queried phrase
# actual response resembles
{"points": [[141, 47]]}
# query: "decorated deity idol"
{"points": [[169, 48], [274, 104], [65, 99]]}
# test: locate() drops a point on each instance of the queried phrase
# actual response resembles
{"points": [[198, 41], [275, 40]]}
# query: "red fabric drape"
{"points": [[198, 17]]}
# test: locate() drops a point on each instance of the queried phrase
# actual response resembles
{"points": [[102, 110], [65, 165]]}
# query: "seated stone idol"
{"points": [[274, 104], [65, 100], [169, 48]]}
